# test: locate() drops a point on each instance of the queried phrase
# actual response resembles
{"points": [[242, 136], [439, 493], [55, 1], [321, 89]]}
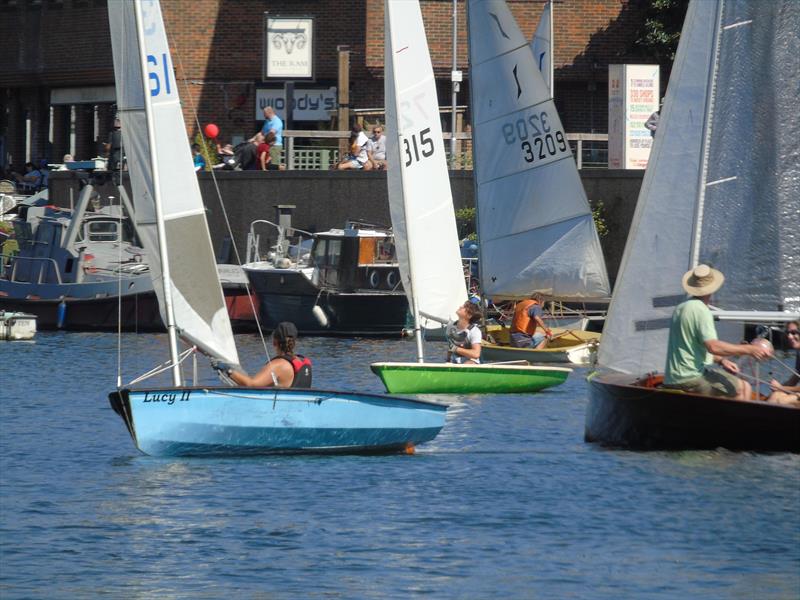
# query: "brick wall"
{"points": [[217, 52]]}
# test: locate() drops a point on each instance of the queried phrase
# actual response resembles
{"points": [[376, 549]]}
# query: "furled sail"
{"points": [[163, 178], [534, 222], [721, 184], [420, 200], [542, 46]]}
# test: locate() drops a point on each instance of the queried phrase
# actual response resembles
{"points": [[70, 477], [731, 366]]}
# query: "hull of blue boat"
{"points": [[242, 421]]}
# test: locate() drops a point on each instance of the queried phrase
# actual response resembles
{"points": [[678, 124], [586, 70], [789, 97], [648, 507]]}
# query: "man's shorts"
{"points": [[275, 155], [713, 382], [521, 340], [356, 165]]}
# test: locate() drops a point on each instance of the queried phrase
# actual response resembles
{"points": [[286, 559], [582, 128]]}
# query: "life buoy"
{"points": [[374, 279]]}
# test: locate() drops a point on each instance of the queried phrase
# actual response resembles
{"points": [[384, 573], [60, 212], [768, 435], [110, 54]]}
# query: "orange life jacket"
{"points": [[522, 323]]}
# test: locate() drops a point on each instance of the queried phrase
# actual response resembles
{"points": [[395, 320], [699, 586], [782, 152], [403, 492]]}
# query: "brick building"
{"points": [[56, 86]]}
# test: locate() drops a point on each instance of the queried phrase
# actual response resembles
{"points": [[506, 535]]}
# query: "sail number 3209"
{"points": [[535, 136], [423, 141]]}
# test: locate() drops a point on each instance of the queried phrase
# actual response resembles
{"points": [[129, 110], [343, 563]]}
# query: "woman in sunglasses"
{"points": [[788, 392]]}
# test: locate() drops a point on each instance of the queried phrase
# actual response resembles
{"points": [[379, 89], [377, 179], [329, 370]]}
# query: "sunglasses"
{"points": [[794, 332]]}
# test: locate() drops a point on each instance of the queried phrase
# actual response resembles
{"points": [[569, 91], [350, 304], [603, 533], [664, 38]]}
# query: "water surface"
{"points": [[508, 501]]}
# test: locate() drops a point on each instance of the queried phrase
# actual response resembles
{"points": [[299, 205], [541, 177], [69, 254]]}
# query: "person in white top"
{"points": [[464, 336], [358, 158], [376, 148]]}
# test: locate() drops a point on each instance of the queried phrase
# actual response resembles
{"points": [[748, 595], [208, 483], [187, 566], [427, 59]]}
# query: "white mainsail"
{"points": [[721, 184], [163, 179], [420, 199], [535, 226], [542, 46]]}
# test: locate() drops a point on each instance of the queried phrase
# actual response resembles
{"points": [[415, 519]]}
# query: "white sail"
{"points": [[718, 187], [161, 171], [420, 199], [534, 222], [542, 46]]}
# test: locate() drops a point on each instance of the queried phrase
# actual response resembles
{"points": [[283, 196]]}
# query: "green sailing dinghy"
{"points": [[423, 219], [447, 378]]}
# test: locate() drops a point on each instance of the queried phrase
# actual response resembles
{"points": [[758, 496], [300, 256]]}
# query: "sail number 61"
{"points": [[424, 142]]}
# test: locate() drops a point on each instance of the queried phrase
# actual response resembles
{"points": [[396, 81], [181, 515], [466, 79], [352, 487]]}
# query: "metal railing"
{"points": [[590, 149], [17, 260]]}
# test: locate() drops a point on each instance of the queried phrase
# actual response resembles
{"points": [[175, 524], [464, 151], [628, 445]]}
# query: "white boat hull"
{"points": [[17, 326]]}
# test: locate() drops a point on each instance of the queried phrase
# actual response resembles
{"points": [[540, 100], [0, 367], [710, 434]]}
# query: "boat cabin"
{"points": [[53, 248], [355, 259]]}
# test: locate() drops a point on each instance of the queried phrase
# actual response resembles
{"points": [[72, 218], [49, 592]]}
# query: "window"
{"points": [[334, 252], [103, 231]]}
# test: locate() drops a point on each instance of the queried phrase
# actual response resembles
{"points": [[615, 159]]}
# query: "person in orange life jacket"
{"points": [[464, 336], [286, 370], [527, 318]]}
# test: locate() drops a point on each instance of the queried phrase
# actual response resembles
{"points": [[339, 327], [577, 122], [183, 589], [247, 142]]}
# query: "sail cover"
{"points": [[420, 200], [721, 184], [542, 46], [534, 222], [161, 171]]}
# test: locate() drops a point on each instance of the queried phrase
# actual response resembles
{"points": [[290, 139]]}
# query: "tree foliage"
{"points": [[658, 36]]}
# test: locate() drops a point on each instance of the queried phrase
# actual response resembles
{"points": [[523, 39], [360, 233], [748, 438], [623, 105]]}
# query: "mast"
{"points": [[697, 231], [162, 234]]}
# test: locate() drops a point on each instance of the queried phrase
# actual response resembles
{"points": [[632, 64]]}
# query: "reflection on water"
{"points": [[507, 502]]}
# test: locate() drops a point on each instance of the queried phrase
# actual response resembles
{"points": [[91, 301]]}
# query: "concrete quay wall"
{"points": [[325, 199]]}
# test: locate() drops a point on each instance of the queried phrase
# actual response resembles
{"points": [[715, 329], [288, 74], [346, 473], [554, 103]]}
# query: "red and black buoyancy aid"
{"points": [[302, 370]]}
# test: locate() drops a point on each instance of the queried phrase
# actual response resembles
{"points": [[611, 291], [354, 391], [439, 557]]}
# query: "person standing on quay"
{"points": [[272, 122]]}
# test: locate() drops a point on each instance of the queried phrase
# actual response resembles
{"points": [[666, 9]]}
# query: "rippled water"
{"points": [[507, 502]]}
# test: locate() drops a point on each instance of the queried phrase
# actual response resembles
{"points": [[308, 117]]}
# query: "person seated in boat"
{"points": [[464, 336], [527, 320], [286, 370], [788, 392], [693, 343]]}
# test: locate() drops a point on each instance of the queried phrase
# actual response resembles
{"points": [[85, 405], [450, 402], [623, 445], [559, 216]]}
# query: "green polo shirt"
{"points": [[692, 325]]}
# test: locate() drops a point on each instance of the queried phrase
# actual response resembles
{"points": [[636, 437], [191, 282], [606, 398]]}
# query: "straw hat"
{"points": [[702, 281]]}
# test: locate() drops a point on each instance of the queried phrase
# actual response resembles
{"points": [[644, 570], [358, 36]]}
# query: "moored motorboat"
{"points": [[79, 269], [17, 325], [348, 285]]}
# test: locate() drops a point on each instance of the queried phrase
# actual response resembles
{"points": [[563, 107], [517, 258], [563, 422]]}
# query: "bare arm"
{"points": [[722, 349], [541, 324], [279, 368]]}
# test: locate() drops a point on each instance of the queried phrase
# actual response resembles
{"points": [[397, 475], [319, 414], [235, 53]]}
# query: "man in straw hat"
{"points": [[693, 345]]}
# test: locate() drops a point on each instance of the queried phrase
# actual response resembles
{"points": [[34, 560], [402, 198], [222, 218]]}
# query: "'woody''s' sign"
{"points": [[288, 47]]}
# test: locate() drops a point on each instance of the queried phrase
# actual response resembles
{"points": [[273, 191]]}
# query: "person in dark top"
{"points": [[287, 369], [114, 147], [788, 392]]}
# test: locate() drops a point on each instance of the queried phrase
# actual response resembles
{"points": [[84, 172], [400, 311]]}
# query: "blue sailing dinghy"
{"points": [[220, 421], [183, 420]]}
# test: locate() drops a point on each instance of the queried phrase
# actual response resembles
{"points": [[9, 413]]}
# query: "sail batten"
{"points": [[420, 199], [535, 225], [198, 305]]}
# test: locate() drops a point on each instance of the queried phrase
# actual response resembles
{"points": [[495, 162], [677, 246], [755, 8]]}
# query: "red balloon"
{"points": [[212, 131]]}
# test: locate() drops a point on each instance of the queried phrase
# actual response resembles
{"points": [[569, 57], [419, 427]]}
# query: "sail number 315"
{"points": [[423, 142], [535, 136]]}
